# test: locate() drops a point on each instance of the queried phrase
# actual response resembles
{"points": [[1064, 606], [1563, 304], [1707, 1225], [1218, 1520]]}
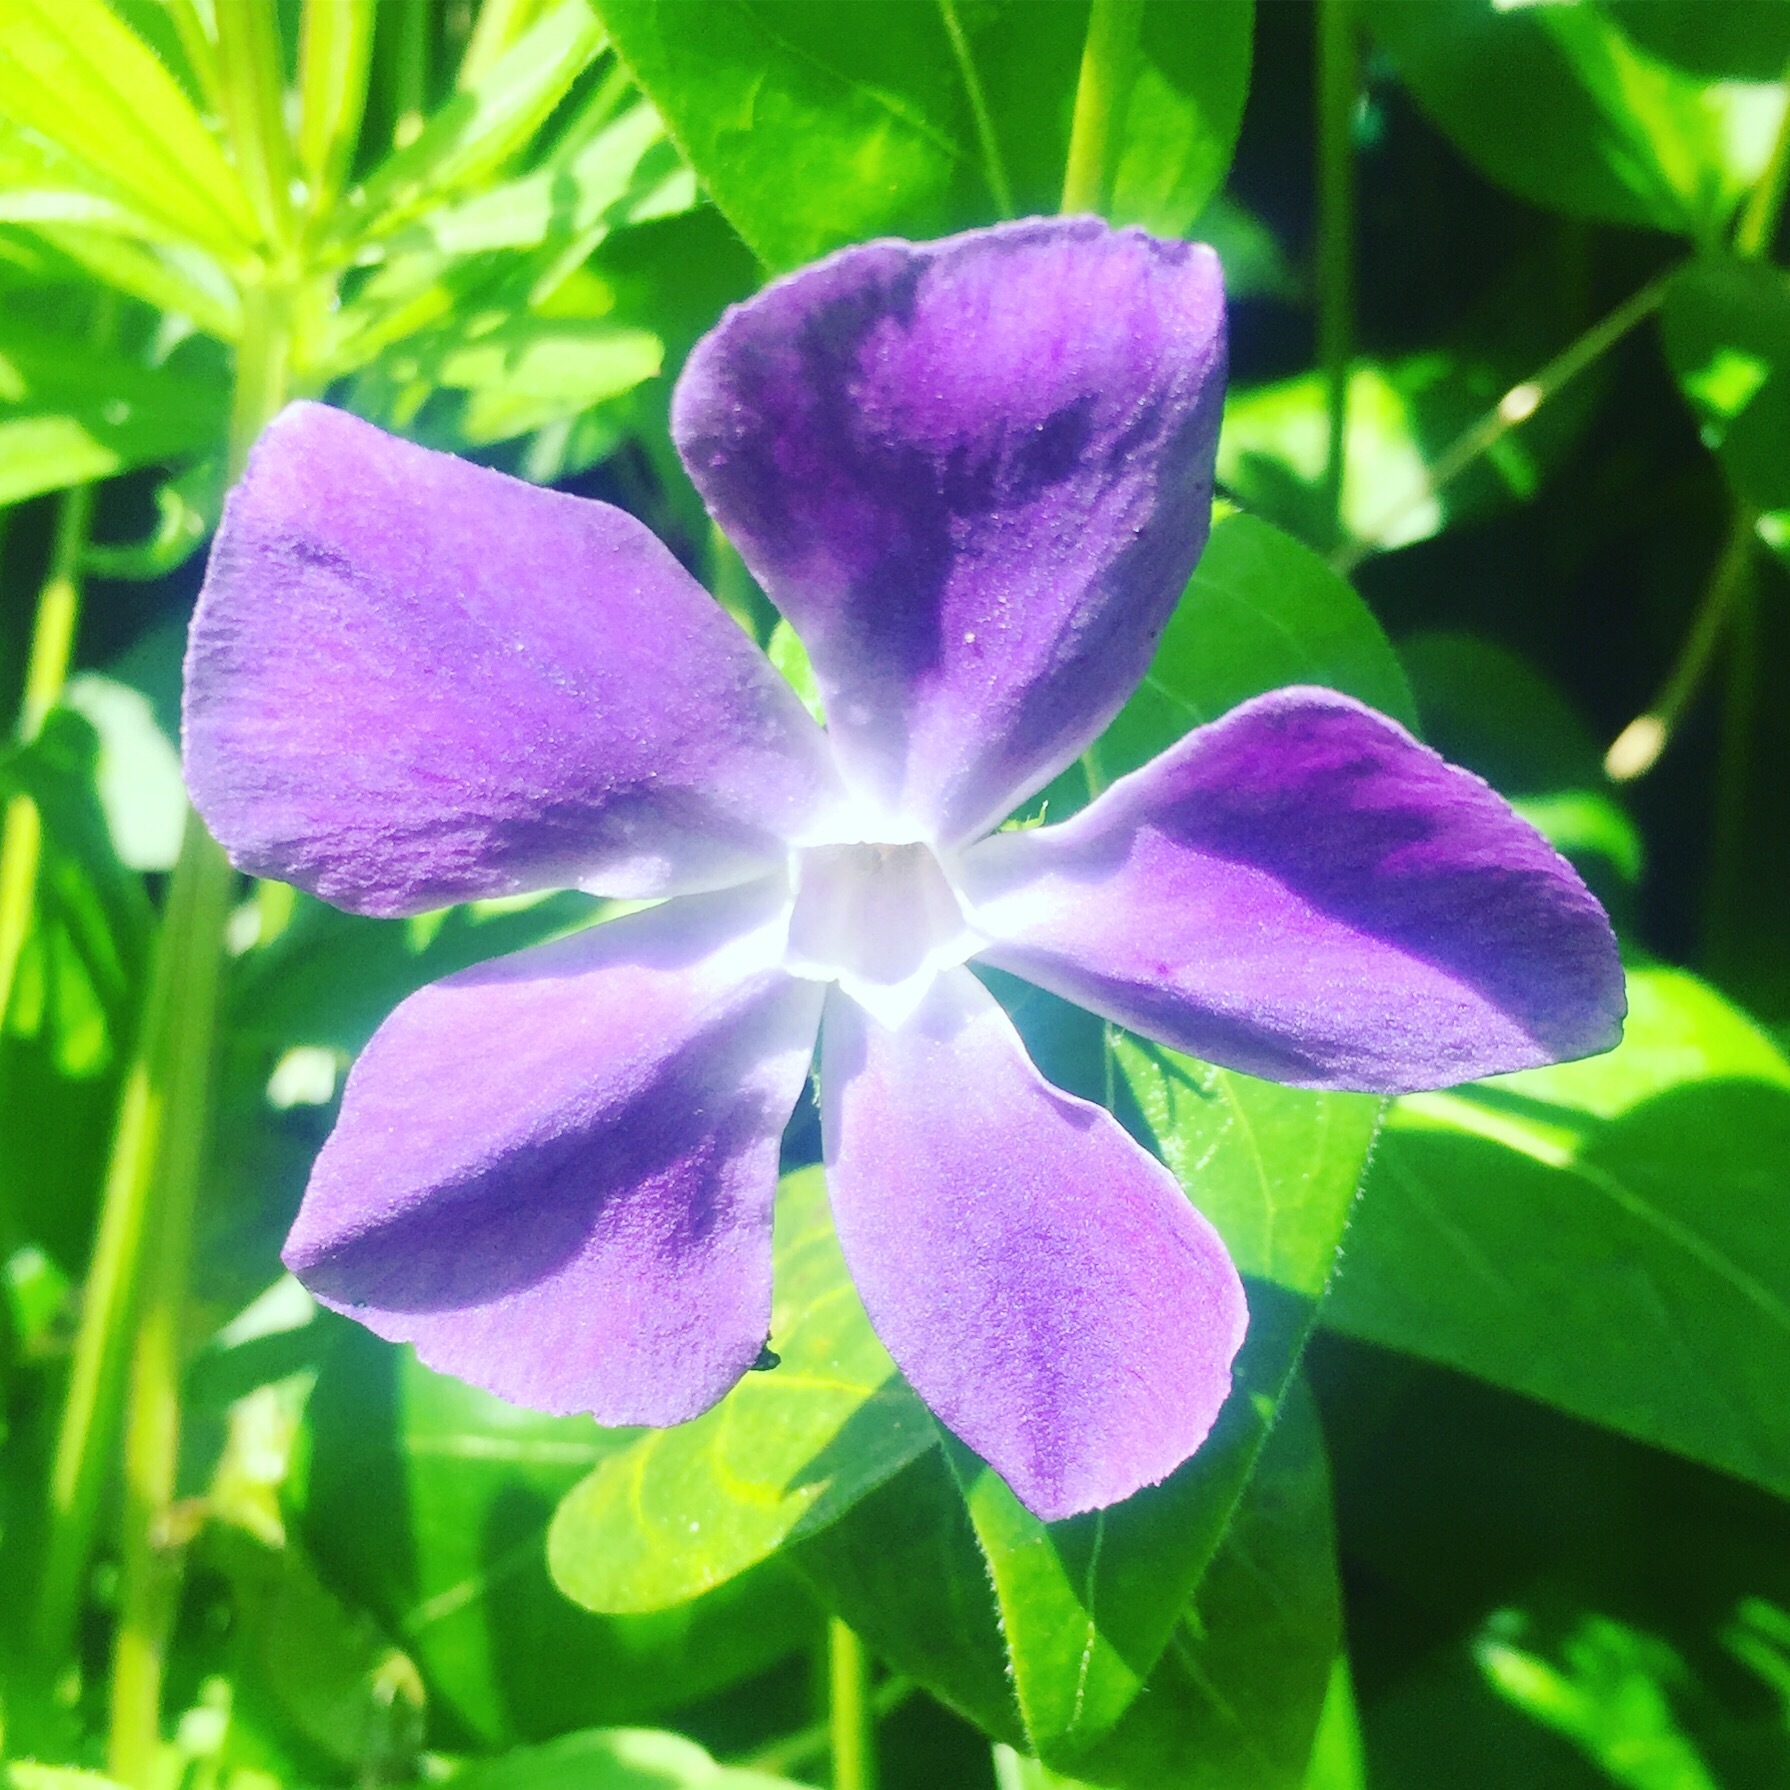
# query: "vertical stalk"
{"points": [[46, 670], [1102, 92], [410, 73], [852, 1717], [160, 1161], [994, 166], [1338, 83], [252, 78]]}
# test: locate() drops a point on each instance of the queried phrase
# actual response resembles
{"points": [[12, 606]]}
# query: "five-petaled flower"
{"points": [[974, 475]]}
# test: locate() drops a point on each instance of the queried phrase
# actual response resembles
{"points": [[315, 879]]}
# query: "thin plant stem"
{"points": [[796, 1751], [851, 1716], [1102, 91], [159, 1168], [46, 670], [1740, 702], [1637, 748], [1516, 407], [410, 77], [994, 167], [1338, 81]]}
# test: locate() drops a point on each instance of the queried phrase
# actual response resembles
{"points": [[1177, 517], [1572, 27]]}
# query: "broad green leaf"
{"points": [[71, 413], [1612, 1236], [1235, 1700], [1726, 327], [77, 75], [430, 1501], [137, 777], [616, 1759], [1260, 611], [1557, 103], [679, 1511], [480, 127], [814, 125]]}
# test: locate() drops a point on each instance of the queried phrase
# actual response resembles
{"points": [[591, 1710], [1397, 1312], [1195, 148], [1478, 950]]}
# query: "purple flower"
{"points": [[974, 475]]}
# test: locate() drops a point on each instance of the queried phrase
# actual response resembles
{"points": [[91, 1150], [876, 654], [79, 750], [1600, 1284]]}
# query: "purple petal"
{"points": [[1302, 891], [412, 681], [554, 1173], [1040, 1279], [975, 475]]}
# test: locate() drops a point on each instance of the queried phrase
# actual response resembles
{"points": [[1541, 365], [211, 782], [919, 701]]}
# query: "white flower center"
{"points": [[880, 920]]}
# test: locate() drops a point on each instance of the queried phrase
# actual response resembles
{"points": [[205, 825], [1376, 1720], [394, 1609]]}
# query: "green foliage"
{"points": [[1561, 105], [814, 125], [1605, 1235]]}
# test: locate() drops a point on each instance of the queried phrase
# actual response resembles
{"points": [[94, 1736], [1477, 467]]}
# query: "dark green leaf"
{"points": [[431, 1500], [1610, 1236], [1561, 106], [71, 413], [1726, 326]]}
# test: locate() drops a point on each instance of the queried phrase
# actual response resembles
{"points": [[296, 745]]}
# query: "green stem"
{"points": [[158, 1168], [410, 76], [1338, 82], [794, 1752], [1103, 90], [1637, 748], [852, 1716], [994, 166], [1740, 702], [1516, 407], [46, 671]]}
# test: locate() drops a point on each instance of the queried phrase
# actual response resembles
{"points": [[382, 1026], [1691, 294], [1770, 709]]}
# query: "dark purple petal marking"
{"points": [[975, 475], [1040, 1279], [554, 1173], [1303, 891], [412, 681]]}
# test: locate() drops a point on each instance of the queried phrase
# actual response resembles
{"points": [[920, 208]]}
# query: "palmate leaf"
{"points": [[1046, 1634], [1612, 1236], [1560, 105], [77, 75], [814, 125], [480, 127]]}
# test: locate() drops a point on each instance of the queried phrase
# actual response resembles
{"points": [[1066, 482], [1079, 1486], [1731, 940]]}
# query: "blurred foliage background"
{"points": [[1501, 1499]]}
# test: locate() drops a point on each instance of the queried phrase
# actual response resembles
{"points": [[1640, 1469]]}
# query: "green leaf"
{"points": [[1726, 328], [77, 75], [481, 126], [91, 922], [534, 371], [1558, 104], [815, 125], [1260, 611], [680, 1511], [626, 173], [1608, 1236], [430, 1501], [1234, 1702], [616, 1759], [71, 412]]}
